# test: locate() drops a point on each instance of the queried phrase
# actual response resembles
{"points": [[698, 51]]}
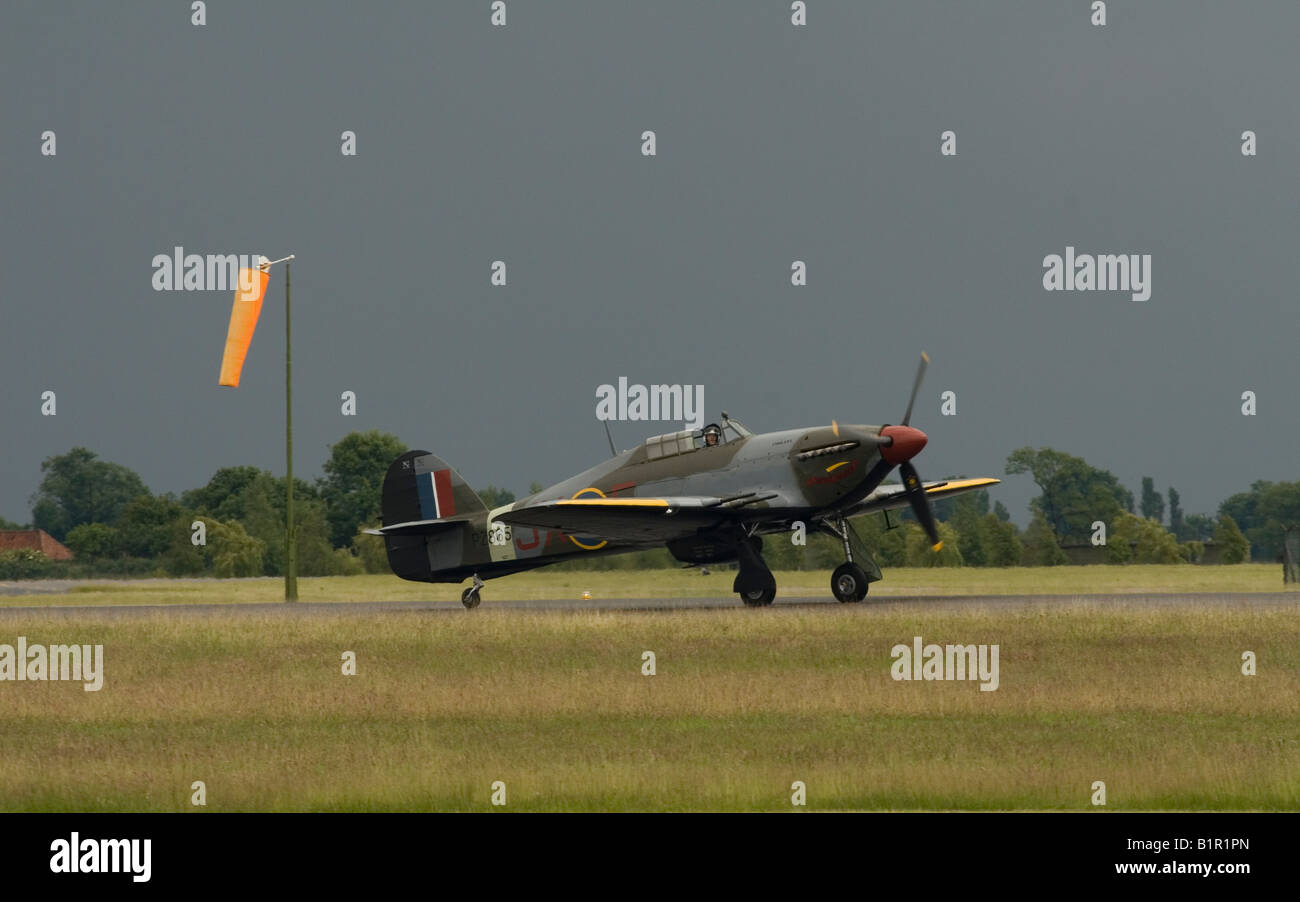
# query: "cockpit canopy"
{"points": [[673, 443]]}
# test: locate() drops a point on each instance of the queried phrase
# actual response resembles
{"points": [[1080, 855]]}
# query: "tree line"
{"points": [[114, 525]]}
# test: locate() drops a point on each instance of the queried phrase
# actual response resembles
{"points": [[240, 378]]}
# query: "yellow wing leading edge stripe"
{"points": [[952, 485], [616, 502], [958, 484]]}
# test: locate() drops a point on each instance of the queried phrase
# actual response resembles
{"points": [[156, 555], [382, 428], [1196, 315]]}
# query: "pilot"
{"points": [[712, 435]]}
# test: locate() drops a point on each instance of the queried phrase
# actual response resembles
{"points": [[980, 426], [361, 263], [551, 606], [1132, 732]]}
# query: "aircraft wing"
{"points": [[627, 519], [891, 497]]}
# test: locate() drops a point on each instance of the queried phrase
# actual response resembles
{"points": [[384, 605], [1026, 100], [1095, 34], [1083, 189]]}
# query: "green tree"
{"points": [[79, 488], [229, 551], [823, 552], [1001, 545], [229, 491], [316, 555], [255, 499], [145, 526], [1233, 547], [1263, 514], [1192, 551], [232, 551], [1001, 511], [370, 550], [352, 486], [1279, 510], [782, 554], [1041, 546], [494, 497], [264, 519], [1152, 505], [1242, 508], [1177, 525], [889, 544], [1074, 494], [1141, 540], [966, 521], [976, 502], [221, 497], [1198, 527], [91, 541], [182, 557]]}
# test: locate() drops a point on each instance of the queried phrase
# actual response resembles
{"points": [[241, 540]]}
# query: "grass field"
{"points": [[1150, 700], [1144, 578]]}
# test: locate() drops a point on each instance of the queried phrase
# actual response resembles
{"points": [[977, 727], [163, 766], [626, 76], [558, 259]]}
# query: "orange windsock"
{"points": [[243, 320]]}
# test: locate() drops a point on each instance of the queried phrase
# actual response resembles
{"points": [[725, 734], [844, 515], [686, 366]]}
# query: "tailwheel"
{"points": [[849, 582], [470, 597]]}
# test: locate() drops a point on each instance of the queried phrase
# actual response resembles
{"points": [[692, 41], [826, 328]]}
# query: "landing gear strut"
{"points": [[849, 582], [470, 597], [754, 583]]}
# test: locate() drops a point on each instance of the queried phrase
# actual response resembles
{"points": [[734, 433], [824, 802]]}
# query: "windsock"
{"points": [[243, 320]]}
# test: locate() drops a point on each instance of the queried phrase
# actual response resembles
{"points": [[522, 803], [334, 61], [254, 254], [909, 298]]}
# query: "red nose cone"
{"points": [[908, 443]]}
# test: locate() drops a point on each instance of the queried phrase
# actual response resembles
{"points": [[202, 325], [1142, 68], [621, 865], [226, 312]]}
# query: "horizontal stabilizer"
{"points": [[416, 528]]}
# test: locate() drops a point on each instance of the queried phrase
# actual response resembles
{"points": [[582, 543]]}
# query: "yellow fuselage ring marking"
{"points": [[574, 539]]}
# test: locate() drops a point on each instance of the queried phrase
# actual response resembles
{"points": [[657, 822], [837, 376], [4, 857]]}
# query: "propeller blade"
{"points": [[920, 502], [916, 387]]}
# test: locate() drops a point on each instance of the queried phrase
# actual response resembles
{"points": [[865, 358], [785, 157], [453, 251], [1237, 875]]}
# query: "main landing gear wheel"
{"points": [[757, 590], [849, 582], [755, 583]]}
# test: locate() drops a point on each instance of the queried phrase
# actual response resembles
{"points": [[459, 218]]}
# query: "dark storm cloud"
{"points": [[774, 144]]}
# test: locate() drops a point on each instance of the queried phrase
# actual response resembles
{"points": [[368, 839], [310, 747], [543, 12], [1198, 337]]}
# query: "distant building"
{"points": [[34, 540]]}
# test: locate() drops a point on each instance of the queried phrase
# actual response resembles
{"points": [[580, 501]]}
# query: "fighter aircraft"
{"points": [[709, 495]]}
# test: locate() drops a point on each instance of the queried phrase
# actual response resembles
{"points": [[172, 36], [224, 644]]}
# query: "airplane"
{"points": [[709, 495]]}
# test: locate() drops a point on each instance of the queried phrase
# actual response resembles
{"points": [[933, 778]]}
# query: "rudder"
{"points": [[421, 486]]}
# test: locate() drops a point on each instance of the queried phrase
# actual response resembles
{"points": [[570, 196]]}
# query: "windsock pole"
{"points": [[290, 539], [243, 320]]}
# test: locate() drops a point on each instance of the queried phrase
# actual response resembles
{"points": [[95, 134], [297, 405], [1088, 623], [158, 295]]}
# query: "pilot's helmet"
{"points": [[712, 434]]}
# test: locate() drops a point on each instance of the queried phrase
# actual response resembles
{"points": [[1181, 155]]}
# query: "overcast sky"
{"points": [[775, 143]]}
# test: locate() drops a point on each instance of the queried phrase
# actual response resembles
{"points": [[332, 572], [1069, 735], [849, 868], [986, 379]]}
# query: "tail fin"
{"points": [[421, 486]]}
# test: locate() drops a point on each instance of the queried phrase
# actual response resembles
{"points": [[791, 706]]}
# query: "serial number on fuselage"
{"points": [[496, 534]]}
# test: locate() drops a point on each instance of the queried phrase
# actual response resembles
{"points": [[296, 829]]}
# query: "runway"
{"points": [[1261, 600]]}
